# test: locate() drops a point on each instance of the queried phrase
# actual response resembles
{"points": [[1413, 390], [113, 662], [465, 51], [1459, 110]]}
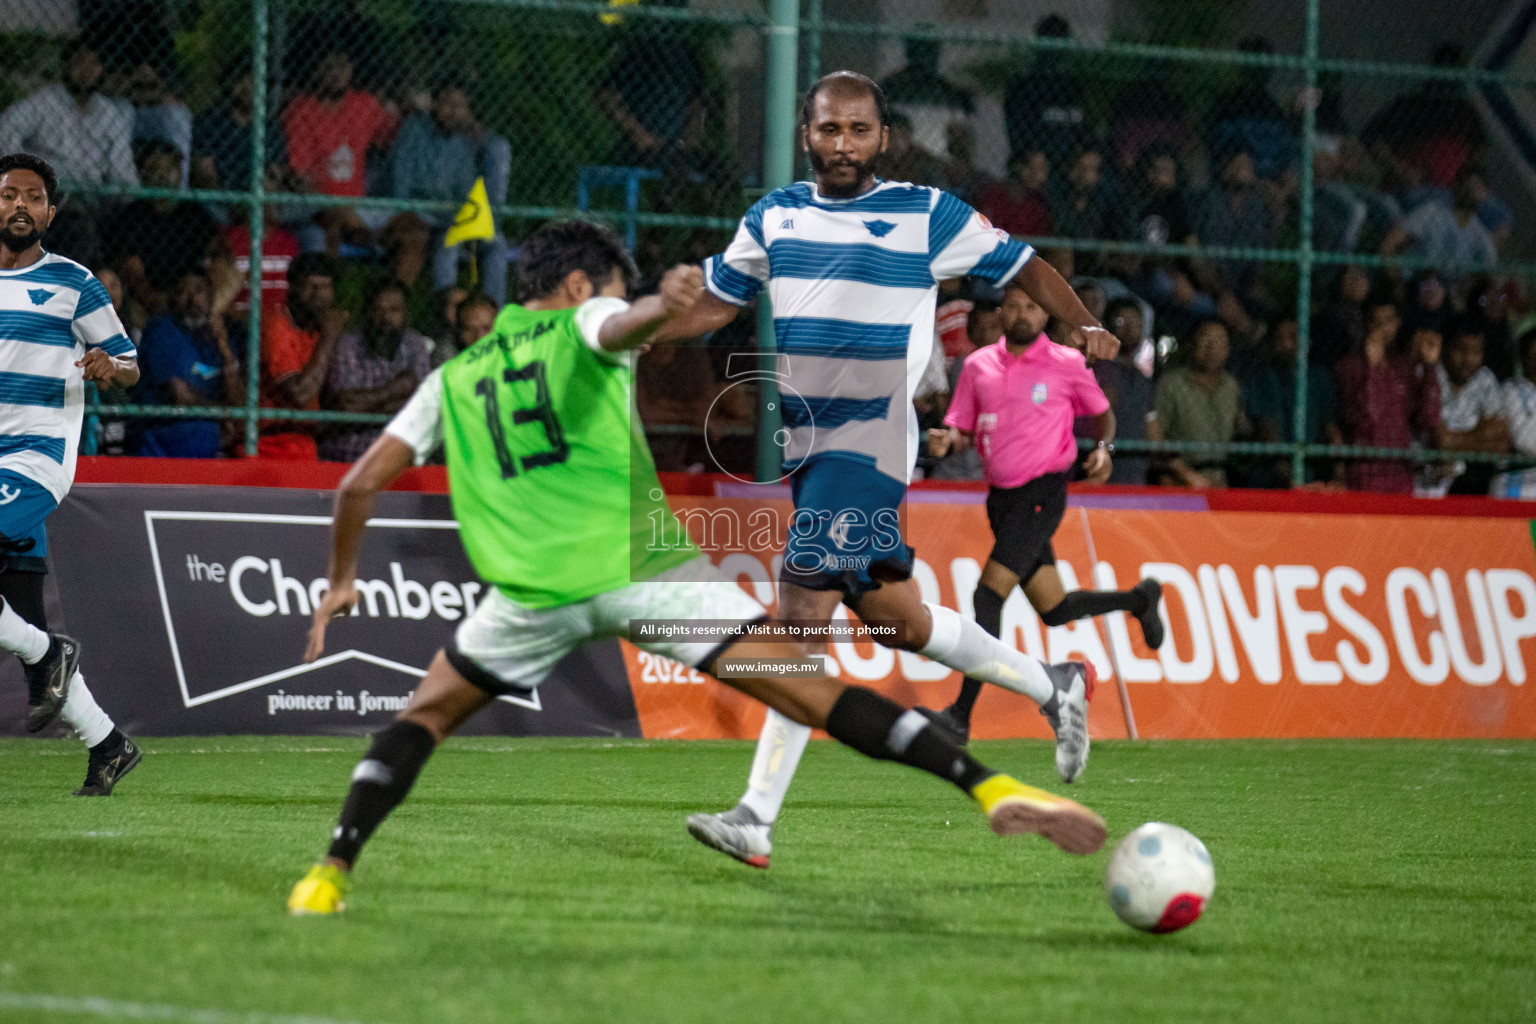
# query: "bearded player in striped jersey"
{"points": [[852, 264], [556, 497], [57, 331]]}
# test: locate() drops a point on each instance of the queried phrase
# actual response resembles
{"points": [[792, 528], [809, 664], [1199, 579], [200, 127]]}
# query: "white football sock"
{"points": [[20, 637], [779, 747], [959, 643], [84, 715]]}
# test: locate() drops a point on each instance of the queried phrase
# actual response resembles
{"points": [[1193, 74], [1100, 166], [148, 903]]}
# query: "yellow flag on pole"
{"points": [[474, 219]]}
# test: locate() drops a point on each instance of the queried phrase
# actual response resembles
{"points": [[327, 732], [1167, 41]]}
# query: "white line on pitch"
{"points": [[91, 1005]]}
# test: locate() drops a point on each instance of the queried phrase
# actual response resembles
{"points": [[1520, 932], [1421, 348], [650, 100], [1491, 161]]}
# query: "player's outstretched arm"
{"points": [[379, 467], [708, 314], [1056, 297], [681, 289]]}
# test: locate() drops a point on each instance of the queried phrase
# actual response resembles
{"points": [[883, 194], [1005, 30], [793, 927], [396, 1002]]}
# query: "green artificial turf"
{"points": [[552, 880]]}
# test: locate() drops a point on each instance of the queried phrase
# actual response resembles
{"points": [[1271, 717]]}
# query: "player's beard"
{"points": [[1020, 334], [863, 172], [20, 243]]}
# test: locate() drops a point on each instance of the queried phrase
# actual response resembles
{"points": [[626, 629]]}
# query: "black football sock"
{"points": [[886, 731], [1080, 604], [114, 740], [379, 783], [989, 616]]}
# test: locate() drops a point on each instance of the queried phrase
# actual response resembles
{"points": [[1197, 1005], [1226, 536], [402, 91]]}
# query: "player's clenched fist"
{"points": [[681, 287], [97, 366], [1095, 343]]}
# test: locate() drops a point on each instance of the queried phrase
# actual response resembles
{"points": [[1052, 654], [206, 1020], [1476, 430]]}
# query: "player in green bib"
{"points": [[541, 443], [557, 501]]}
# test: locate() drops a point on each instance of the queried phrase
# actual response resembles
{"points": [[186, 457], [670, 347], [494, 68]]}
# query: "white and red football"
{"points": [[1160, 878]]}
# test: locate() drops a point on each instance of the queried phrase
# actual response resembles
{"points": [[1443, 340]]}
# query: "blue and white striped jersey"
{"points": [[50, 313], [853, 283]]}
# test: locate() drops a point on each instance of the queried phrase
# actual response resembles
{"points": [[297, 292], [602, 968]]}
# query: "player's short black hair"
{"points": [[38, 166], [845, 80], [559, 247], [983, 294], [312, 264]]}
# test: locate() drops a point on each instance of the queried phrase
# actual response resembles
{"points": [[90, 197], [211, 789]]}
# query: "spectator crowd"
{"points": [[359, 303], [1210, 354]]}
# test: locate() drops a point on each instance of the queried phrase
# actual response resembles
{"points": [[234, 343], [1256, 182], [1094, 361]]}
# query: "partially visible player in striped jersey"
{"points": [[852, 265], [57, 331]]}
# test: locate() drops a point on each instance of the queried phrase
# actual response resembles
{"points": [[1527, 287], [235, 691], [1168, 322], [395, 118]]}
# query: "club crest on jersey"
{"points": [[981, 219], [39, 296], [880, 228], [1038, 393]]}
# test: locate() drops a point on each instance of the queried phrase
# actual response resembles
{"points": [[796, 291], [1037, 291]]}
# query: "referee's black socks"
{"points": [[882, 729], [379, 783], [1081, 604]]}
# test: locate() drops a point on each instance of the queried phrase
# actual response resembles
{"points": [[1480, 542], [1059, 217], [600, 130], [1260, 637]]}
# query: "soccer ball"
{"points": [[1160, 878]]}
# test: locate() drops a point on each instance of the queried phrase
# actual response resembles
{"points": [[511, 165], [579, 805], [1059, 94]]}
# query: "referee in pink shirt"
{"points": [[1018, 397]]}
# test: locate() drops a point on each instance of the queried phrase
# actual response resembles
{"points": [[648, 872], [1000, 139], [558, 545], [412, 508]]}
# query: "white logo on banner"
{"points": [[284, 595]]}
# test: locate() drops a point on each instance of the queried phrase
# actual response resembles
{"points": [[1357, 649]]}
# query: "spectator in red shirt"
{"points": [[279, 248], [297, 341], [1386, 399], [1018, 205], [330, 131]]}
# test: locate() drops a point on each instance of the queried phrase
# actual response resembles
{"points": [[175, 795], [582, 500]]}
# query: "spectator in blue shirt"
{"points": [[185, 359], [1247, 116], [1269, 397], [1234, 214], [222, 137], [439, 156]]}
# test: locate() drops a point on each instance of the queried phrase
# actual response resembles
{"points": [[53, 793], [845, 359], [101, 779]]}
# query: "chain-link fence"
{"points": [[1238, 189]]}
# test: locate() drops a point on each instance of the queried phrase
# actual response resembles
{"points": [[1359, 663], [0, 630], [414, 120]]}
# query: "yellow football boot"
{"points": [[321, 891], [1013, 807]]}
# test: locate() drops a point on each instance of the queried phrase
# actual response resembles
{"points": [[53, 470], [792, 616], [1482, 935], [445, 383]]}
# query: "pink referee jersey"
{"points": [[1021, 408]]}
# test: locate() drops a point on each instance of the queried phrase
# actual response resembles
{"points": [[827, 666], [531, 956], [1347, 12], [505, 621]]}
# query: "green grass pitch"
{"points": [[551, 881]]}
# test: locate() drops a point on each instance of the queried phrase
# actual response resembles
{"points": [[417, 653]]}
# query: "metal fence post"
{"points": [[257, 202], [1304, 254], [812, 69], [778, 170]]}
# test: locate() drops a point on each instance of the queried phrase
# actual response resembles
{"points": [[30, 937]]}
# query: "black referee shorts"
{"points": [[1023, 521]]}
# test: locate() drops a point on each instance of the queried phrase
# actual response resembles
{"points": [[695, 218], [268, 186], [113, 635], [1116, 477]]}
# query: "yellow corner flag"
{"points": [[474, 218], [616, 19]]}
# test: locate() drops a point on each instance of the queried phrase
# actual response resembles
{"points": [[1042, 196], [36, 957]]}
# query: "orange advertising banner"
{"points": [[1279, 625]]}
